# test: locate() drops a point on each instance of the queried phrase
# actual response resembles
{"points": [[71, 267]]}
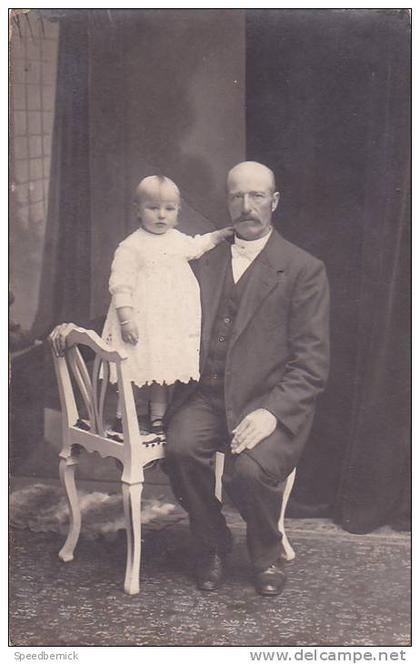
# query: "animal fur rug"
{"points": [[43, 508]]}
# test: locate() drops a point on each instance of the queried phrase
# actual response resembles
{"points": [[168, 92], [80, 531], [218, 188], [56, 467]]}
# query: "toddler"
{"points": [[155, 313]]}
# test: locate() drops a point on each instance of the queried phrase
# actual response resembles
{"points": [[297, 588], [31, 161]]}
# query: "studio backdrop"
{"points": [[320, 96]]}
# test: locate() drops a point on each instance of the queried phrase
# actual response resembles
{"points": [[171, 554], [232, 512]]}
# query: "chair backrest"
{"points": [[93, 387]]}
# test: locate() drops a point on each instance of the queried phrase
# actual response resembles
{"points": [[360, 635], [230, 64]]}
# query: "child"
{"points": [[155, 313]]}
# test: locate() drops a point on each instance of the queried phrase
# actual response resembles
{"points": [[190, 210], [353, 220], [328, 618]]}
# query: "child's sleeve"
{"points": [[123, 276], [198, 245]]}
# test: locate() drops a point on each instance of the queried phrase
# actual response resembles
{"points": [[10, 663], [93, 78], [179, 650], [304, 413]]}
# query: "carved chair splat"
{"points": [[91, 435]]}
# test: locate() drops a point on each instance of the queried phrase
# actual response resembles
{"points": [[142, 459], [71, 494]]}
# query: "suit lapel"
{"points": [[212, 276], [267, 270]]}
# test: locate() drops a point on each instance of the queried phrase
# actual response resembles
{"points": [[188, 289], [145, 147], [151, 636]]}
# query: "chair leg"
{"points": [[132, 510], [287, 552], [218, 472], [67, 470]]}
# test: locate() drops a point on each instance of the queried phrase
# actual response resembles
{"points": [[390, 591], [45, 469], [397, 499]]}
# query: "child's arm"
{"points": [[121, 286], [199, 244], [222, 234]]}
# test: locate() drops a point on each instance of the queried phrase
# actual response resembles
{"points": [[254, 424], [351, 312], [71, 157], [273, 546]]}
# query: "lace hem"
{"points": [[171, 380]]}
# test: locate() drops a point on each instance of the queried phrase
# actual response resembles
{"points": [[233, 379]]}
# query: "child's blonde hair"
{"points": [[154, 184]]}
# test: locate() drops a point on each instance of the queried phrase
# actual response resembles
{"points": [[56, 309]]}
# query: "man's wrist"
{"points": [[271, 413]]}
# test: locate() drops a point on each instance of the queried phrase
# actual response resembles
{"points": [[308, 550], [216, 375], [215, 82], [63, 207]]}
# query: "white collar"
{"points": [[252, 246]]}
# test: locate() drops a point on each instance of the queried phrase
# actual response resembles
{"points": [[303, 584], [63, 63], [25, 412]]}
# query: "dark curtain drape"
{"points": [[328, 110], [138, 92], [327, 107], [65, 279]]}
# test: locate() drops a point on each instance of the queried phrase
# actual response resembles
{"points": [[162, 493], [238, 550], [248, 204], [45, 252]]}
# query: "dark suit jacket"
{"points": [[278, 354]]}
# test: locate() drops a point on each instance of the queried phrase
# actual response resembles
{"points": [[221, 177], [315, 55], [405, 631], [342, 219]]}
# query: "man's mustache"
{"points": [[247, 217]]}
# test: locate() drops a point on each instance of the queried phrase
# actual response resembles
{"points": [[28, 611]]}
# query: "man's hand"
{"points": [[130, 333], [58, 337], [252, 430]]}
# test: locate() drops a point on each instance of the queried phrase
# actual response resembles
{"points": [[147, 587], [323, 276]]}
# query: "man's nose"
{"points": [[246, 203]]}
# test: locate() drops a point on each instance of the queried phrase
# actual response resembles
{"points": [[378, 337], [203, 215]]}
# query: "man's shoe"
{"points": [[270, 581], [210, 572]]}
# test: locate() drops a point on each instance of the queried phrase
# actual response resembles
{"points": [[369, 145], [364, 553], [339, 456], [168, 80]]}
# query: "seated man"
{"points": [[263, 361]]}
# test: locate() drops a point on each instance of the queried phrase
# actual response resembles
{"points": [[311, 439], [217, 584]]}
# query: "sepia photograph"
{"points": [[210, 328]]}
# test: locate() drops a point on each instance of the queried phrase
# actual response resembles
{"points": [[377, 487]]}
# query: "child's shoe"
{"points": [[117, 425], [144, 424], [156, 426], [143, 421]]}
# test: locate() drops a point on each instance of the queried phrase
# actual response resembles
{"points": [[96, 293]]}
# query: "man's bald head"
{"points": [[252, 170], [156, 187]]}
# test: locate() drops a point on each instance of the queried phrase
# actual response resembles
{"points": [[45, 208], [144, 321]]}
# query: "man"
{"points": [[263, 361]]}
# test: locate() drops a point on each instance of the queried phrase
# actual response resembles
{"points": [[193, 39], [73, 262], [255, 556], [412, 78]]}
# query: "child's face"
{"points": [[158, 211]]}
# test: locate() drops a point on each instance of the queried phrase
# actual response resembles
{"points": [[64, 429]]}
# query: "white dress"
{"points": [[151, 274]]}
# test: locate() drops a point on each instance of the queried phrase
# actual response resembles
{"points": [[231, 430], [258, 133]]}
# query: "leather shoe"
{"points": [[270, 581], [210, 572]]}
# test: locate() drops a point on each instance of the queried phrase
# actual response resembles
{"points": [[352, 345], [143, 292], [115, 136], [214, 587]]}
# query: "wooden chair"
{"points": [[287, 551], [131, 449]]}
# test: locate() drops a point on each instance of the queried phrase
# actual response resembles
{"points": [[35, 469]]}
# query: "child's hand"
{"points": [[130, 333], [224, 233]]}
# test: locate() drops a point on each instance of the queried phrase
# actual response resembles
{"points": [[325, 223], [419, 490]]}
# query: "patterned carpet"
{"points": [[342, 589]]}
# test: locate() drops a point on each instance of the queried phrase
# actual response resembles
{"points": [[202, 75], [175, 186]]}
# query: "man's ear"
{"points": [[276, 198]]}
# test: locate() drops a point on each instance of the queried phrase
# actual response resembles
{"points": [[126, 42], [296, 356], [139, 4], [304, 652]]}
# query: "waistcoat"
{"points": [[213, 373]]}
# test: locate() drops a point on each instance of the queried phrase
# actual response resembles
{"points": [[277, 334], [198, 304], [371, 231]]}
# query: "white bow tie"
{"points": [[240, 251]]}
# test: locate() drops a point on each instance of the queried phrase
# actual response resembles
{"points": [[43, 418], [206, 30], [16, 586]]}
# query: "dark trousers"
{"points": [[195, 432]]}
